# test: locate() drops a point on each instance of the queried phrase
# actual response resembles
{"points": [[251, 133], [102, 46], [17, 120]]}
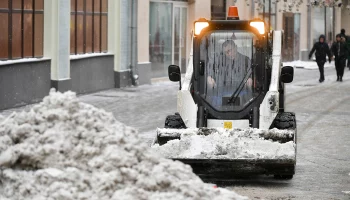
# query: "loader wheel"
{"points": [[285, 120], [174, 121], [171, 121]]}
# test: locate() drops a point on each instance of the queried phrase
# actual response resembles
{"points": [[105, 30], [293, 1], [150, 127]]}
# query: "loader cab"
{"points": [[230, 58]]}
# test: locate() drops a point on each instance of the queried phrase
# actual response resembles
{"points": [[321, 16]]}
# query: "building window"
{"points": [[21, 34], [268, 14], [167, 36], [88, 32], [218, 9], [291, 36], [322, 20]]}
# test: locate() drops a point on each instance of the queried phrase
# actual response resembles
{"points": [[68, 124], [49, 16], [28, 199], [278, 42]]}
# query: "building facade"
{"points": [[164, 28], [79, 45], [91, 45]]}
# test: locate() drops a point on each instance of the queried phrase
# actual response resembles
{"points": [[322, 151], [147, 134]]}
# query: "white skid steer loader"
{"points": [[234, 80]]}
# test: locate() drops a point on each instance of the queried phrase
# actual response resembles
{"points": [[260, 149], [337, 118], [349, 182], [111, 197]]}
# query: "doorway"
{"points": [[288, 37], [291, 37], [167, 36], [179, 32]]}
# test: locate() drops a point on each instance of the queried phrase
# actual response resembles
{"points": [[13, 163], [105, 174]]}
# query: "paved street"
{"points": [[322, 110], [323, 159]]}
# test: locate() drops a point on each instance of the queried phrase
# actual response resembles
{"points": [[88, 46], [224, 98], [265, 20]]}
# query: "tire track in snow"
{"points": [[305, 128], [307, 93], [322, 114]]}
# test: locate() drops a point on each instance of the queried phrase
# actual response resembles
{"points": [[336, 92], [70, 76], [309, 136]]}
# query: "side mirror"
{"points": [[287, 74], [174, 73]]}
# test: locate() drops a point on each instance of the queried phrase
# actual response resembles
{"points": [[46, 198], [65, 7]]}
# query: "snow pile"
{"points": [[306, 64], [227, 144], [66, 150]]}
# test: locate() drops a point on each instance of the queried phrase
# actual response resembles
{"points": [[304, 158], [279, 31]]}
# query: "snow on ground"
{"points": [[227, 144], [346, 192], [63, 149], [306, 64]]}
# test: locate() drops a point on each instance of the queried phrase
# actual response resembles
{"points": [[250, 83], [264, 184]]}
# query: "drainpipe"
{"points": [[309, 25], [133, 42], [252, 11]]}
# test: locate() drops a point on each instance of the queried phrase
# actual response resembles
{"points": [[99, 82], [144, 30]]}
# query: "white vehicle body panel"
{"points": [[186, 106], [270, 105], [215, 123]]}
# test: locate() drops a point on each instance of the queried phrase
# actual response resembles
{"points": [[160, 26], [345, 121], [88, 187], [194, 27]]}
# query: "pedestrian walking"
{"points": [[340, 52], [346, 39], [322, 49]]}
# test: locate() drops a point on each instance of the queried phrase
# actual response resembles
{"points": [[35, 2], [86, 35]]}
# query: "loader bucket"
{"points": [[225, 168], [166, 134], [216, 152]]}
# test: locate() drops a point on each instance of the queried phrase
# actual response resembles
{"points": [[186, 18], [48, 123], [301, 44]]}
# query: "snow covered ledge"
{"points": [[23, 60], [89, 55]]}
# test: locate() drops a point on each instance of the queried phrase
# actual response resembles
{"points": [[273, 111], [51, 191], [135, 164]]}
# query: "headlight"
{"points": [[258, 25], [199, 26]]}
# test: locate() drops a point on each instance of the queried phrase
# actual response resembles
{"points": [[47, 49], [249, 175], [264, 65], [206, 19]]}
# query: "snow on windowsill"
{"points": [[88, 55], [22, 60]]}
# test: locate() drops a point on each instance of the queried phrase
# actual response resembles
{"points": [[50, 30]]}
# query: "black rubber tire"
{"points": [[174, 121], [283, 177], [286, 120], [171, 121]]}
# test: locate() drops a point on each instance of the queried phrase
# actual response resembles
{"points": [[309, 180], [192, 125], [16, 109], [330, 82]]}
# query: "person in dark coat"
{"points": [[322, 49], [346, 39], [340, 52]]}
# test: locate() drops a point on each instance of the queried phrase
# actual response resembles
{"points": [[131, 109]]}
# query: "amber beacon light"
{"points": [[232, 13]]}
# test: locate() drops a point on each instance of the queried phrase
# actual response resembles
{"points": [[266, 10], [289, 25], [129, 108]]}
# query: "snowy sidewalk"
{"points": [[144, 107], [307, 64]]}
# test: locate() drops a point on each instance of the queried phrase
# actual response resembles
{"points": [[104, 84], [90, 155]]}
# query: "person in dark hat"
{"points": [[342, 34], [340, 52], [322, 49]]}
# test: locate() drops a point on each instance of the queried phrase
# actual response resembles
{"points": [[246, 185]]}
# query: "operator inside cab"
{"points": [[230, 79], [228, 67]]}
